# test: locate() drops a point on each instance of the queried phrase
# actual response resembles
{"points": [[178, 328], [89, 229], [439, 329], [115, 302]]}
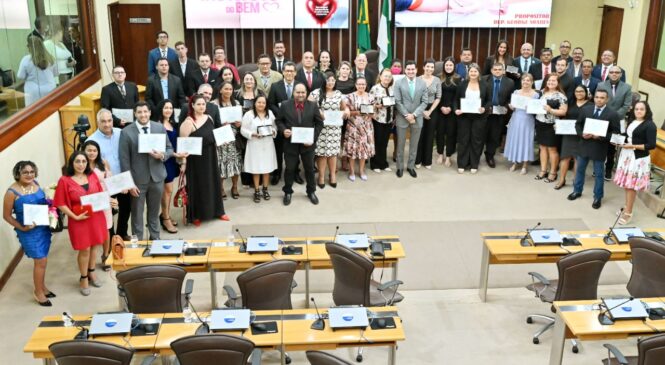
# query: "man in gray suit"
{"points": [[620, 98], [147, 170], [411, 101]]}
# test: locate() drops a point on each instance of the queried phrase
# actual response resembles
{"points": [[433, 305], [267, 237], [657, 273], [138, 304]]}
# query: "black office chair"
{"points": [[354, 284], [650, 351], [578, 280], [648, 276], [324, 358], [84, 352], [212, 349], [153, 288]]}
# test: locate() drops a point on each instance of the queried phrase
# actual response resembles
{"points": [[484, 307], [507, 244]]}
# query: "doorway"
{"points": [[610, 31]]}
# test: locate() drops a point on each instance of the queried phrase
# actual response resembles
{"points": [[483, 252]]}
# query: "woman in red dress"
{"points": [[87, 229]]}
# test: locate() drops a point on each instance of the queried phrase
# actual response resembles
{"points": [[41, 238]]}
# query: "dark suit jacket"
{"points": [[277, 95], [485, 95], [596, 149], [598, 73], [144, 168], [645, 134], [506, 88], [154, 93], [518, 62], [112, 98], [211, 109], [273, 63], [489, 62], [370, 76], [174, 69], [536, 70], [318, 79], [460, 69], [311, 117], [593, 83], [194, 79], [567, 85], [155, 55]]}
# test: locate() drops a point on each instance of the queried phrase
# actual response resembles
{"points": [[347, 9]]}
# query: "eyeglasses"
{"points": [[26, 173], [564, 46], [118, 72], [264, 64], [615, 72]]}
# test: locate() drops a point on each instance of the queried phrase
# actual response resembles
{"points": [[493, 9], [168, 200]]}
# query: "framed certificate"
{"points": [[36, 214], [230, 114], [126, 114], [366, 109], [264, 130], [333, 118], [618, 139], [388, 100], [117, 183], [247, 104], [512, 69]]}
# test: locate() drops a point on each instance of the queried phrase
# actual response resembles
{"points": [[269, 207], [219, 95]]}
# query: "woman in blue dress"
{"points": [[519, 138], [166, 111], [35, 240]]}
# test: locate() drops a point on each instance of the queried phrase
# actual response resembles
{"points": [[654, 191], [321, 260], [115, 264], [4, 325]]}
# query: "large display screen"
{"points": [[473, 13]]}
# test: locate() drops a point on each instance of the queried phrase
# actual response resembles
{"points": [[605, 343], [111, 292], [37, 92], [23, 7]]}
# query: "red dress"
{"points": [[88, 232]]}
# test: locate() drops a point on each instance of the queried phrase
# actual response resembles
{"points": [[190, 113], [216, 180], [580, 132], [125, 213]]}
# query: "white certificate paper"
{"points": [[366, 109], [519, 101], [176, 114], [36, 214], [388, 100], [499, 110], [536, 106], [596, 127], [224, 134], [191, 145], [471, 106], [333, 118], [230, 114], [538, 84], [126, 114], [117, 183], [618, 139], [565, 127], [304, 135], [98, 201], [149, 142]]}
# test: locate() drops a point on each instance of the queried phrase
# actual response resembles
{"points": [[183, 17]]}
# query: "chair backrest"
{"points": [[245, 69], [212, 349], [81, 352], [579, 274], [324, 358], [268, 286], [353, 274], [438, 68], [648, 276], [651, 350], [153, 288]]}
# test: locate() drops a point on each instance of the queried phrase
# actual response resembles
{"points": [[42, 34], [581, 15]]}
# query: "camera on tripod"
{"points": [[81, 127]]}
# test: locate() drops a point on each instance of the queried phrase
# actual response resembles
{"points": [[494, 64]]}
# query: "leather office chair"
{"points": [[578, 280], [324, 358], [153, 288], [354, 284], [650, 351], [266, 286], [80, 352], [246, 69], [438, 68], [373, 62], [212, 349], [648, 276]]}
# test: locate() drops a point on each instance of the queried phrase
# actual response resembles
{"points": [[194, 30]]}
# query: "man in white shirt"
{"points": [[575, 67], [278, 59], [183, 65]]}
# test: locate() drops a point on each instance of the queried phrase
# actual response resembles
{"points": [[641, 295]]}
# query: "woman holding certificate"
{"points": [[519, 138], [230, 153], [258, 126], [430, 115], [87, 229], [569, 143], [634, 164], [555, 105], [245, 96], [166, 111], [383, 120], [35, 240], [329, 142], [359, 135], [204, 191]]}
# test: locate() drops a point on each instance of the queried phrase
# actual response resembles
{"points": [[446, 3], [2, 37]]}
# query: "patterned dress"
{"points": [[359, 135], [330, 139], [230, 158], [632, 173]]}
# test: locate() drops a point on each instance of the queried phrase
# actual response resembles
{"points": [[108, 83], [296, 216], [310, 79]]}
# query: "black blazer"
{"points": [[112, 98], [194, 79], [370, 76], [536, 70], [645, 134], [567, 85], [593, 84], [288, 118], [506, 88], [485, 95], [596, 149], [318, 79], [174, 69], [154, 93], [273, 63], [277, 95], [489, 62]]}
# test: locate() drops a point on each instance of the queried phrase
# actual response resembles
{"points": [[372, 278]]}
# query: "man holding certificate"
{"points": [[595, 124], [501, 88], [300, 122], [147, 169]]}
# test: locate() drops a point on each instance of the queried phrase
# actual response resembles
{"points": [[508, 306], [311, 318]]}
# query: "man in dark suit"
{"points": [[601, 71], [211, 109], [278, 59], [162, 86], [119, 94], [502, 87], [203, 75], [544, 67], [162, 51], [566, 82], [299, 112], [362, 70], [594, 148], [308, 75], [564, 52], [523, 63], [41, 28], [585, 77], [575, 66], [183, 65], [466, 58]]}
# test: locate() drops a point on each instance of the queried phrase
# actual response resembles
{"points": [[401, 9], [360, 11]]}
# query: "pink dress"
{"points": [[101, 175]]}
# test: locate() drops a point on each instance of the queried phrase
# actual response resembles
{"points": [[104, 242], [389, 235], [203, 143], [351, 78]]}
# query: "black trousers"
{"points": [[293, 155], [124, 211], [446, 133], [609, 163], [426, 141], [381, 137], [279, 149], [470, 140], [494, 129]]}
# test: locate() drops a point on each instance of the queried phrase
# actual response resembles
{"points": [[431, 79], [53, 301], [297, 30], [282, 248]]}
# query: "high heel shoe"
{"points": [[559, 186], [46, 303], [550, 179], [540, 175], [625, 218], [105, 267], [95, 283], [165, 227], [513, 167], [266, 194], [321, 185], [235, 194], [84, 291], [257, 196], [50, 294]]}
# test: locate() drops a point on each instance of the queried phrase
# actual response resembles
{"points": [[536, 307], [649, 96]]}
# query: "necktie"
{"points": [[495, 94], [279, 66], [526, 65], [546, 70], [361, 74], [145, 130], [163, 54], [205, 77], [265, 83], [602, 77], [614, 90], [122, 90], [412, 88], [309, 80], [288, 91], [596, 114], [586, 83]]}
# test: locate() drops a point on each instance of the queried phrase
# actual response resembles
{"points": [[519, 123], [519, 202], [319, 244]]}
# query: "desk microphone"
{"points": [[107, 68], [608, 237], [602, 316], [335, 236], [243, 244], [319, 324], [524, 241], [83, 334]]}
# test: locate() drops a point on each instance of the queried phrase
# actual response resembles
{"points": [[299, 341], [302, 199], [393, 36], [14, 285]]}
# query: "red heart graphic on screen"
{"points": [[321, 10]]}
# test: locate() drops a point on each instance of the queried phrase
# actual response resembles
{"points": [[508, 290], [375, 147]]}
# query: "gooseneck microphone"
{"points": [[335, 236], [524, 241], [83, 334], [107, 68], [243, 245], [319, 324], [608, 237], [602, 316]]}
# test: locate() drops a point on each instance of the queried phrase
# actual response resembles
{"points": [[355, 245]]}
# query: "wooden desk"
{"points": [[579, 319], [15, 99], [658, 153], [93, 100], [52, 330], [134, 257], [505, 248]]}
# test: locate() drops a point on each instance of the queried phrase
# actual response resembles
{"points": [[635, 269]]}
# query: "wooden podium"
{"points": [[93, 100]]}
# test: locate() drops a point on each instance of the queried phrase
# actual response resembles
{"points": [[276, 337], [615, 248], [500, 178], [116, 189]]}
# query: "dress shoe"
{"points": [[608, 175], [299, 179], [490, 162], [274, 179], [574, 195], [412, 172], [287, 199], [399, 172], [596, 204], [46, 303], [312, 197]]}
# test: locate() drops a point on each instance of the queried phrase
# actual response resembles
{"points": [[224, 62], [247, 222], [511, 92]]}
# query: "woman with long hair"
{"points": [[383, 120], [64, 62], [501, 55], [258, 126], [556, 106], [230, 153], [345, 82], [430, 115], [569, 142], [519, 138], [446, 129], [359, 134], [325, 62], [38, 70]]}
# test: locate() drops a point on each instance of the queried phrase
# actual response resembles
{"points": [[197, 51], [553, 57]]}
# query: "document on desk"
{"points": [[120, 182], [224, 134], [536, 106], [596, 127], [150, 142], [230, 114], [304, 135], [565, 127], [36, 214], [98, 201], [470, 105], [519, 101], [126, 114], [333, 118], [191, 145]]}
